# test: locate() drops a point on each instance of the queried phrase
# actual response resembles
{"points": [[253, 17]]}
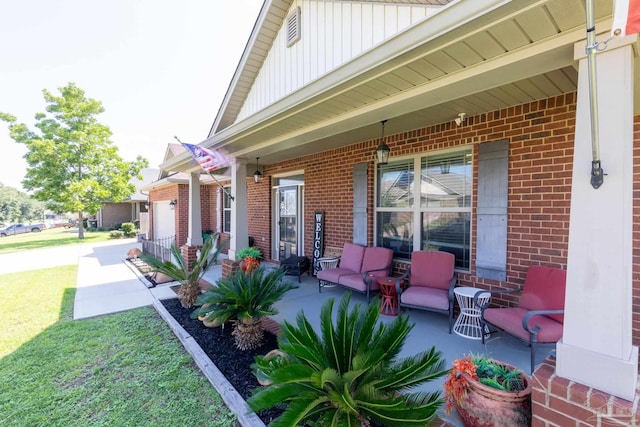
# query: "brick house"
{"points": [[487, 113]]}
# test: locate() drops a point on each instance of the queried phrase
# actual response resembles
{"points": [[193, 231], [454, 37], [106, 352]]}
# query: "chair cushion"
{"points": [[544, 289], [510, 321], [354, 281], [351, 258], [433, 269], [376, 258], [426, 297], [333, 274]]}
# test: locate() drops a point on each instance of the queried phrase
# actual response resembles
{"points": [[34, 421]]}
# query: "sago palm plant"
{"points": [[187, 275], [350, 373], [244, 299]]}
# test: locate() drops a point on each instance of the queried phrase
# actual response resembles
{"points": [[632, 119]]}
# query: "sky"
{"points": [[160, 67]]}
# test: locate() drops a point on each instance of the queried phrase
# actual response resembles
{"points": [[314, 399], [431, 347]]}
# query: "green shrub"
{"points": [[116, 234], [129, 229], [244, 299], [349, 374]]}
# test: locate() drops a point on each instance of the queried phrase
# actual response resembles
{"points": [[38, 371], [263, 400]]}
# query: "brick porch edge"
{"points": [[558, 401]]}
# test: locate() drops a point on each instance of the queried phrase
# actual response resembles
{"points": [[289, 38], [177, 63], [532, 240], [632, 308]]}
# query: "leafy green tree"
{"points": [[73, 164], [16, 206]]}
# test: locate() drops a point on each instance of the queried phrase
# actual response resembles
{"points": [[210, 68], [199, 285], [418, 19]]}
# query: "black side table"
{"points": [[296, 266]]}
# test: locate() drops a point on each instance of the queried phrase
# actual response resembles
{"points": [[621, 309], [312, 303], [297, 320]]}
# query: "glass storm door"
{"points": [[287, 222]]}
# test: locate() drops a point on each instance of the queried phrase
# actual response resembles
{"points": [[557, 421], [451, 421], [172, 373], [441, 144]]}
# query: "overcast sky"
{"points": [[159, 67]]}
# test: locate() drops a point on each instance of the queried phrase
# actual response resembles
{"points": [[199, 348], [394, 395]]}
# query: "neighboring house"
{"points": [[487, 115], [168, 203], [134, 209]]}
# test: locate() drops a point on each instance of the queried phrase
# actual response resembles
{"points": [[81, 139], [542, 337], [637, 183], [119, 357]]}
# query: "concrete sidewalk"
{"points": [[105, 283]]}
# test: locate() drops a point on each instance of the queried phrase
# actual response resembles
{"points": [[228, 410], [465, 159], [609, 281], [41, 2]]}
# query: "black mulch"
{"points": [[217, 343]]}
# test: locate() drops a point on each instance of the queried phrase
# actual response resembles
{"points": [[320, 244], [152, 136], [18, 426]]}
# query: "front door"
{"points": [[287, 222]]}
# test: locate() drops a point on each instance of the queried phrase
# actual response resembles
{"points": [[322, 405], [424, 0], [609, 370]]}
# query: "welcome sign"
{"points": [[318, 238]]}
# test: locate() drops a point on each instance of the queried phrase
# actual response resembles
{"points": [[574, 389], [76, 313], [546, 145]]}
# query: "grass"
{"points": [[125, 369], [49, 238]]}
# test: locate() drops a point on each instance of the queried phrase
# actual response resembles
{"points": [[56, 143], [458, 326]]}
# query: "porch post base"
{"points": [[612, 375]]}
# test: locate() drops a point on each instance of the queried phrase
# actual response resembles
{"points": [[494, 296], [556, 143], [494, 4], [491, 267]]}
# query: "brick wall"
{"points": [[541, 137], [540, 161], [558, 401]]}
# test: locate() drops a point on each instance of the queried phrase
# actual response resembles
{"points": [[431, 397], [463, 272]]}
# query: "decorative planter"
{"points": [[484, 406]]}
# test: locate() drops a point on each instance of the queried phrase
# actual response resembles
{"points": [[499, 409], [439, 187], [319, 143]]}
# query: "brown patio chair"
{"points": [[428, 283], [538, 318]]}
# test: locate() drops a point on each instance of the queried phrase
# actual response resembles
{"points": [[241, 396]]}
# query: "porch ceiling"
{"points": [[519, 52]]}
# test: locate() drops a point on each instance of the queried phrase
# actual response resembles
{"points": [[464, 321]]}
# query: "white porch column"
{"points": [[239, 206], [596, 349], [194, 237]]}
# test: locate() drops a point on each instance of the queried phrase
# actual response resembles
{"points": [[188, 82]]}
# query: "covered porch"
{"points": [[518, 71]]}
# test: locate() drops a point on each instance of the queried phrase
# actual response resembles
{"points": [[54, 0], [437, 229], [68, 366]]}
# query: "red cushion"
{"points": [[351, 258], [332, 274], [376, 258], [510, 321], [426, 297], [544, 289], [354, 281], [433, 269]]}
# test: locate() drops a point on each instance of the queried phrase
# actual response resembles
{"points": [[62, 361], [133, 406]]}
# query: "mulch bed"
{"points": [[218, 344]]}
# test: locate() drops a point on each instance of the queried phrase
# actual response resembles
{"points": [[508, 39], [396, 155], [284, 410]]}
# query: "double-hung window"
{"points": [[226, 210], [424, 203]]}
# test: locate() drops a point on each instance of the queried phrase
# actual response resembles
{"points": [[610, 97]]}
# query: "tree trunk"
{"points": [[80, 226]]}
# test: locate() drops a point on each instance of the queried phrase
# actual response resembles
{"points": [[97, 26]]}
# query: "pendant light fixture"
{"points": [[257, 175], [382, 152]]}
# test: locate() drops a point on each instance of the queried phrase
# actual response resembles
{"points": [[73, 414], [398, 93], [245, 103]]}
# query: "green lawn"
{"points": [[49, 238], [125, 369]]}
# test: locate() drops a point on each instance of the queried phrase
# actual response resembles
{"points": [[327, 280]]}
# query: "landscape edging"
{"points": [[229, 394]]}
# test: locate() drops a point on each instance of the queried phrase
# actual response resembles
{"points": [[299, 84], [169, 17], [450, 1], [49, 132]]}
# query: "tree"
{"points": [[16, 206], [73, 165]]}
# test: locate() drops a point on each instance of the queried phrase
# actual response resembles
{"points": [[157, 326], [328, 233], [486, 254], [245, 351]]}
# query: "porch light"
{"points": [[445, 167], [172, 204], [257, 175], [146, 205], [382, 152]]}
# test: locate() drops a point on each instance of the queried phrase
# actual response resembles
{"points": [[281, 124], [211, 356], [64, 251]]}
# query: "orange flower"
{"points": [[455, 386]]}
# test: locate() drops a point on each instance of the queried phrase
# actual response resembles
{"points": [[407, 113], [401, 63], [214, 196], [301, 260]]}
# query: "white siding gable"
{"points": [[333, 33]]}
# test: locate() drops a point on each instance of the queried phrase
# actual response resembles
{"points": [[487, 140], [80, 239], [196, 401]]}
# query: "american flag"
{"points": [[209, 160], [626, 17]]}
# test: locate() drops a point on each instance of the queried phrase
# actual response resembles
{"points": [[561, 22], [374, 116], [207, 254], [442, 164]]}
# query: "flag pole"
{"points": [[597, 175], [213, 177]]}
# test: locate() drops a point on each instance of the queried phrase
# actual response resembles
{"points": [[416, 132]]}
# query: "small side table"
{"points": [[468, 324], [388, 296]]}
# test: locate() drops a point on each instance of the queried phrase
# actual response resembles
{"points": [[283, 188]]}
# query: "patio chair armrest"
{"points": [[400, 280], [366, 273], [452, 286], [527, 317], [476, 302]]}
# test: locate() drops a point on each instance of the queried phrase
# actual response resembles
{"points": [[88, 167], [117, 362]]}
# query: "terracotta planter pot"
{"points": [[484, 406]]}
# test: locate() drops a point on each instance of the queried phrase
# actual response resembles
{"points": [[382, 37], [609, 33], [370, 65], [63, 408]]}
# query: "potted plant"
{"points": [[486, 392], [188, 275], [249, 258], [244, 298], [348, 373]]}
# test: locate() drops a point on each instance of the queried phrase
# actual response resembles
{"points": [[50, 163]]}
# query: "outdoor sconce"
{"points": [[146, 206], [257, 175], [382, 152], [172, 204], [460, 119], [444, 168]]}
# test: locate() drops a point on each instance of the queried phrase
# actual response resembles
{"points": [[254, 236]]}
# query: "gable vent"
{"points": [[293, 26]]}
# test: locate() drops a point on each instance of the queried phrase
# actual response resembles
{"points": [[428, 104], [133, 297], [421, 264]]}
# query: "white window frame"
{"points": [[416, 209]]}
